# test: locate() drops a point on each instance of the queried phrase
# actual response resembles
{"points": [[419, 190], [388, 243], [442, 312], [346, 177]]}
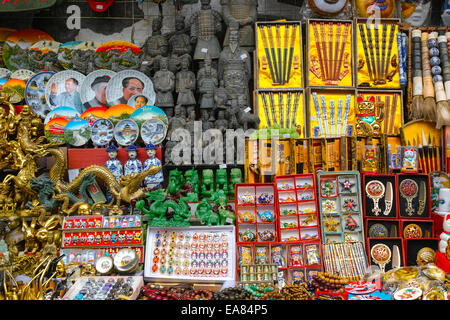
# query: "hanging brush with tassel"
{"points": [[415, 111], [429, 102], [443, 113]]}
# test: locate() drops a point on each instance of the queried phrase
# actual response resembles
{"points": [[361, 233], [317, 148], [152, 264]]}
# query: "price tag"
{"points": [[248, 109], [223, 166], [228, 220], [286, 136], [204, 50], [243, 56]]}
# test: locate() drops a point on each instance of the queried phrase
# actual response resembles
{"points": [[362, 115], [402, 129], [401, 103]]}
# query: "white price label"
{"points": [[248, 109], [204, 50]]}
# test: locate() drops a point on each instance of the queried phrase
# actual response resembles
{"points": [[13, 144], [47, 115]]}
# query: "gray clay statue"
{"points": [[180, 46], [245, 117], [178, 120], [155, 47], [185, 86], [206, 83], [164, 84], [205, 25]]}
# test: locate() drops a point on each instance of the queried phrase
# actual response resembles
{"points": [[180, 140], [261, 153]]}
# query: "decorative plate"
{"points": [[378, 230], [5, 73], [54, 129], [153, 131], [138, 100], [119, 112], [102, 132], [126, 260], [412, 231], [365, 297], [88, 95], [65, 54], [60, 86], [408, 294], [94, 114], [44, 55], [126, 132], [77, 132], [35, 93], [118, 55], [15, 49], [119, 92], [22, 74], [67, 113], [4, 33], [104, 265], [15, 90], [361, 289]]}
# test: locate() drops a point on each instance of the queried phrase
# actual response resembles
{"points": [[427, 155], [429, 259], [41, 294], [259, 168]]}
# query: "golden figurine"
{"points": [[115, 211], [88, 270], [425, 256], [369, 115]]}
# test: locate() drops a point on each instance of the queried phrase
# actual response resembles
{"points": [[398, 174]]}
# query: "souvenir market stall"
{"points": [[241, 155]]}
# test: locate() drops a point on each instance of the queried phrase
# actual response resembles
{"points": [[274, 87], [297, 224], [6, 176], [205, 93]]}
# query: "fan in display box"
{"points": [[295, 261], [340, 206], [85, 239], [297, 206], [255, 207], [414, 200], [195, 254]]}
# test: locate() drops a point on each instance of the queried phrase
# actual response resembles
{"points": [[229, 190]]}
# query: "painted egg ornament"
{"points": [[265, 198]]}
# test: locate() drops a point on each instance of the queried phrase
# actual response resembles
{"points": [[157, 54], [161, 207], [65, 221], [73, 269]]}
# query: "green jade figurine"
{"points": [[207, 184]]}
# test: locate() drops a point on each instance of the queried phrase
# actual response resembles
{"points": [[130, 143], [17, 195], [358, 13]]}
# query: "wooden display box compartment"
{"points": [[295, 186], [291, 115], [393, 127], [243, 207], [336, 202], [345, 55], [360, 54], [426, 227], [263, 77], [327, 295], [392, 226], [315, 112], [419, 178], [301, 155], [391, 242], [267, 158], [368, 203], [413, 246]]}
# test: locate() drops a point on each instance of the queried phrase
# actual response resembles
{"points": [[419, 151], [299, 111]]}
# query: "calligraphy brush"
{"points": [[383, 47], [325, 58], [372, 56], [426, 152], [432, 154], [280, 66], [266, 48], [429, 103], [291, 51], [294, 113], [272, 49], [286, 45], [266, 109], [391, 41], [416, 112], [366, 54], [437, 165], [319, 50]]}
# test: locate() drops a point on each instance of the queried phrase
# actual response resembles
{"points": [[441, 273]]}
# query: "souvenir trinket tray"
{"points": [[278, 62], [101, 238], [197, 254], [91, 255], [256, 212], [340, 206], [297, 207], [104, 288], [281, 109], [97, 222], [294, 260], [329, 50], [380, 196], [377, 54], [414, 199]]}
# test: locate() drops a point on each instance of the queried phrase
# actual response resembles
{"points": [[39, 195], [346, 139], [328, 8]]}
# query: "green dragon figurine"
{"points": [[235, 177], [207, 184], [221, 180], [192, 179], [158, 210], [175, 182]]}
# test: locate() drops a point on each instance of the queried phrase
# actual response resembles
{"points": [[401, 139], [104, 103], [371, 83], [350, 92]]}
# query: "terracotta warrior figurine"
{"points": [[185, 85], [234, 64], [180, 46], [178, 120], [205, 24], [155, 47], [206, 84], [243, 12], [164, 84]]}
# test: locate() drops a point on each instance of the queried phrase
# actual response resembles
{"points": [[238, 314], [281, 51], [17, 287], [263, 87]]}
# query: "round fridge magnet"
{"points": [[126, 84], [35, 93], [126, 132]]}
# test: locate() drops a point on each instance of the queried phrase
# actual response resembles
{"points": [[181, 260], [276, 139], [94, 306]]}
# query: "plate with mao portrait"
{"points": [[125, 84], [93, 89], [126, 132], [63, 89], [102, 132], [35, 92]]}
